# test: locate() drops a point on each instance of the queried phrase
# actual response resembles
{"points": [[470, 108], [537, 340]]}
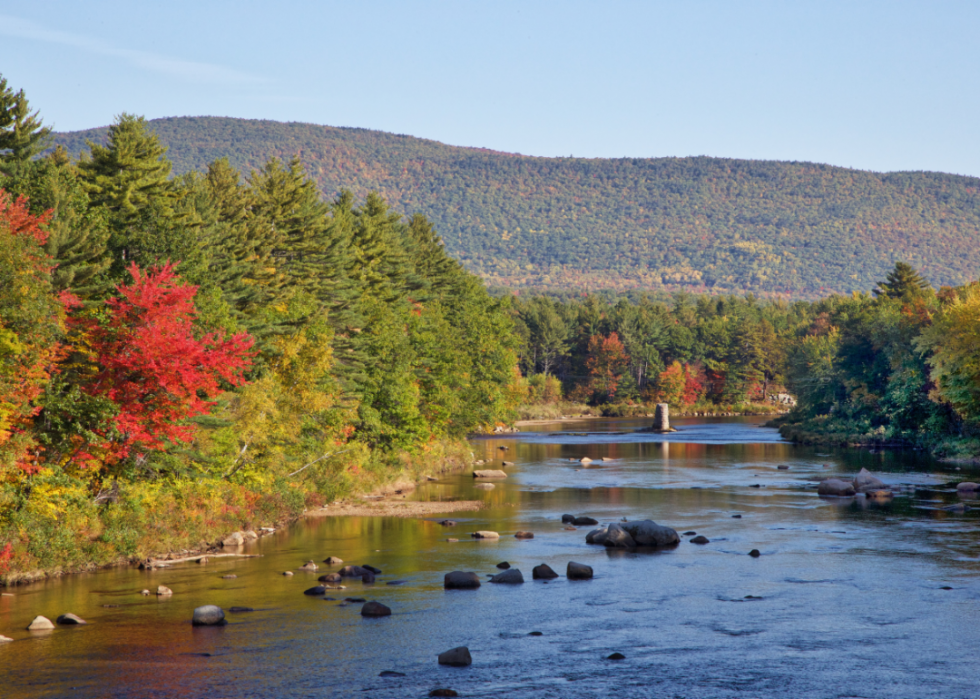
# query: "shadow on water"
{"points": [[848, 597]]}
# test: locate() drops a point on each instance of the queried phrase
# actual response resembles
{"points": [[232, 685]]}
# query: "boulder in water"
{"points": [[485, 535], [164, 591], [578, 571], [236, 539], [584, 522], [524, 535], [503, 565], [511, 576], [460, 580], [968, 487], [375, 609], [309, 566], [457, 657], [70, 620], [40, 623], [315, 591], [567, 519], [489, 474], [209, 615], [330, 578], [333, 561], [353, 572], [864, 481], [543, 572], [5, 639]]}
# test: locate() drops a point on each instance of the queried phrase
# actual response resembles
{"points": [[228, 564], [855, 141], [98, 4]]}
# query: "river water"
{"points": [[848, 598]]}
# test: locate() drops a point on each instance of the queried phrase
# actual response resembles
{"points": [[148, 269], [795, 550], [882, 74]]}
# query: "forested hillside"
{"points": [[696, 224]]}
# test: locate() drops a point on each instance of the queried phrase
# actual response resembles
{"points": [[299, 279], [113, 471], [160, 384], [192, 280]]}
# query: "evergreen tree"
{"points": [[902, 283], [22, 134], [129, 176]]}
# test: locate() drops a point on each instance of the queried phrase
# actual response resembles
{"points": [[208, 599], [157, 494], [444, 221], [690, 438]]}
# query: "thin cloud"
{"points": [[174, 67]]}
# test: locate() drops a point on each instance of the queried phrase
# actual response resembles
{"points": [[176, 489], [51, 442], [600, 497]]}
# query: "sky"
{"points": [[881, 86]]}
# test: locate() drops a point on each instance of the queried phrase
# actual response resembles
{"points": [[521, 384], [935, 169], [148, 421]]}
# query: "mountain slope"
{"points": [[699, 224]]}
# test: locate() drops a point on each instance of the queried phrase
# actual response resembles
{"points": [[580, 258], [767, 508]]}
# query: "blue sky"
{"points": [[873, 85]]}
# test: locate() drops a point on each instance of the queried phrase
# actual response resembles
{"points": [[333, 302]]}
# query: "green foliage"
{"points": [[22, 135], [705, 225]]}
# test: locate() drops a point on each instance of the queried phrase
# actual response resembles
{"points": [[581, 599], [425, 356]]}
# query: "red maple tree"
{"points": [[151, 364], [606, 363]]}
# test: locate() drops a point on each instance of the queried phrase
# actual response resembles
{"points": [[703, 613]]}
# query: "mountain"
{"points": [[699, 224]]}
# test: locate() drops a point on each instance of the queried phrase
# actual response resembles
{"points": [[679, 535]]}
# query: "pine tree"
{"points": [[22, 134], [129, 176], [902, 283]]}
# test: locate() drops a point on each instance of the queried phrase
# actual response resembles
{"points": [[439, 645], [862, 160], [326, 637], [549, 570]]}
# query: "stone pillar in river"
{"points": [[661, 418]]}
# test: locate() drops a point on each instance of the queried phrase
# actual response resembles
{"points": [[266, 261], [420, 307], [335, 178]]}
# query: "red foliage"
{"points": [[17, 217], [606, 363], [5, 555], [153, 367], [693, 385]]}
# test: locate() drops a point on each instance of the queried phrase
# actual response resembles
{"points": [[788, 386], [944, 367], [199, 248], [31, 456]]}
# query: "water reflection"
{"points": [[847, 598]]}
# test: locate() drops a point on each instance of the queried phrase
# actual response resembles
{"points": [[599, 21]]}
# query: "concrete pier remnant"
{"points": [[661, 418]]}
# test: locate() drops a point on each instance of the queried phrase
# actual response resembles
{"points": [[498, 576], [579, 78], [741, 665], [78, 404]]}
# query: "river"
{"points": [[849, 598]]}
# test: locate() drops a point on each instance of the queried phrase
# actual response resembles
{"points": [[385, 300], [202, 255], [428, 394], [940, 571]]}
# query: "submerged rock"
{"points": [[390, 673], [485, 486], [543, 572], [309, 566], [503, 565], [333, 561], [353, 571], [616, 656], [968, 487], [512, 576], [164, 591], [241, 610], [443, 692], [315, 591], [508, 463], [485, 535], [457, 657], [578, 571], [584, 522], [489, 474], [524, 535], [835, 487], [375, 609], [288, 573], [70, 620], [331, 578], [754, 553], [368, 577], [700, 540], [460, 580], [209, 615]]}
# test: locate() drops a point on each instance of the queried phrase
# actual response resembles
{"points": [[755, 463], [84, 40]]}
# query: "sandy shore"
{"points": [[392, 501]]}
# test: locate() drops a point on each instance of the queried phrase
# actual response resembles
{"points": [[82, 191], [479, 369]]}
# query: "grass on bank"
{"points": [[57, 526]]}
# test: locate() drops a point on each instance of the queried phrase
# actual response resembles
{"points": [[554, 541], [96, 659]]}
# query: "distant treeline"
{"points": [[703, 225]]}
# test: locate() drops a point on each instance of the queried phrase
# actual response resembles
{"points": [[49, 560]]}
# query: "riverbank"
{"points": [[140, 521]]}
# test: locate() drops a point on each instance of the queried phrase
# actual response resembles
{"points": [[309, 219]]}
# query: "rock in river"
{"points": [[164, 591], [309, 565], [208, 615], [489, 474], [643, 532], [236, 539], [835, 487], [70, 620], [443, 692], [512, 576], [543, 572], [864, 481], [584, 522], [330, 578], [567, 519], [578, 571], [353, 571], [459, 580], [503, 565], [457, 657], [40, 623], [5, 639], [333, 561], [524, 535], [485, 486], [375, 609], [485, 535], [700, 540], [968, 487], [315, 591]]}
